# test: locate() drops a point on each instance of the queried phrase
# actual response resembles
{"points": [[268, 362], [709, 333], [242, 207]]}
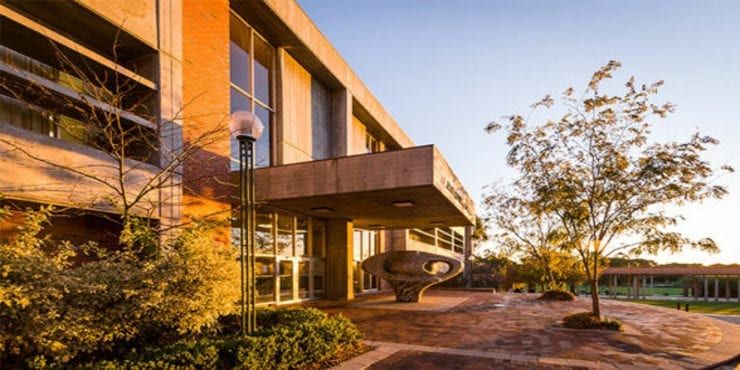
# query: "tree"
{"points": [[595, 170], [111, 111], [478, 237], [534, 237]]}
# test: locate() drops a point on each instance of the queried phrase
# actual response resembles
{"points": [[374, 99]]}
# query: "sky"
{"points": [[444, 69]]}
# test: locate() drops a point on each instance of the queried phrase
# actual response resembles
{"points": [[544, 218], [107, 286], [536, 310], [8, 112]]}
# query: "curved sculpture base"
{"points": [[409, 291]]}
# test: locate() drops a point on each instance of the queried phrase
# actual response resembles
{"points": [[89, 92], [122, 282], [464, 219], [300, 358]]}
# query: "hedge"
{"points": [[287, 339]]}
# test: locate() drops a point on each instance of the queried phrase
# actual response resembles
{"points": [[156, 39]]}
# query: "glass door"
{"points": [[365, 246]]}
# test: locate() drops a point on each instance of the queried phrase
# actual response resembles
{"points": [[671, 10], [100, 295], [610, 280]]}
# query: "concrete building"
{"points": [[338, 179]]}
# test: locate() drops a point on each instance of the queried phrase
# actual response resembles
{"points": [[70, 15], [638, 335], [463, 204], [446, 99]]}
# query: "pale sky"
{"points": [[444, 69]]}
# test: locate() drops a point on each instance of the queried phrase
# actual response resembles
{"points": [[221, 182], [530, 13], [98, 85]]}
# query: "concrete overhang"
{"points": [[405, 188]]}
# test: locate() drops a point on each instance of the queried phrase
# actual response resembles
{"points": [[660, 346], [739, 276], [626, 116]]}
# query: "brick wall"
{"points": [[206, 105]]}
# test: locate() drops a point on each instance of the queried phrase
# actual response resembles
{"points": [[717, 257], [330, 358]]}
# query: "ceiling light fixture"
{"points": [[403, 203], [322, 210]]}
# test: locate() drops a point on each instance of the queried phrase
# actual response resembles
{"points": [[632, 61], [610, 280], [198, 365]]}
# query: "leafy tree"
{"points": [[595, 170], [535, 239], [630, 262]]}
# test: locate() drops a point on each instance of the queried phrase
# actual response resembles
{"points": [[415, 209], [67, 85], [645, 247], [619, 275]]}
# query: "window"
{"points": [[64, 120], [372, 145], [289, 254], [251, 68]]}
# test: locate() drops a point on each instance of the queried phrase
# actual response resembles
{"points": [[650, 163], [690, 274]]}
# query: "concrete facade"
{"points": [[341, 179]]}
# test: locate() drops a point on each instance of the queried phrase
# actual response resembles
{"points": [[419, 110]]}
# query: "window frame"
{"points": [[253, 100]]}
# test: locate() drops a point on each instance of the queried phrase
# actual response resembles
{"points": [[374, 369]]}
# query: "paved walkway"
{"points": [[505, 331]]}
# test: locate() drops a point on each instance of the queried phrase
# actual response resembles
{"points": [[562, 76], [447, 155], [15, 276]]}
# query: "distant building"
{"points": [[339, 179]]}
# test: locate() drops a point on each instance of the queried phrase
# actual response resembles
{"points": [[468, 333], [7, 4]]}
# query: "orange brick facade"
{"points": [[206, 105]]}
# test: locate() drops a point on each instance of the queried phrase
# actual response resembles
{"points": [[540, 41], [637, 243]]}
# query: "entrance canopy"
{"points": [[409, 188]]}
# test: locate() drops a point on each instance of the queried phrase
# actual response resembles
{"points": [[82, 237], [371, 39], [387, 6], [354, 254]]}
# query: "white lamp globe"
{"points": [[245, 125]]}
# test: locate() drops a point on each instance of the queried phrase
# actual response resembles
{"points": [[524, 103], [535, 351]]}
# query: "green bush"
{"points": [[557, 295], [53, 310], [587, 320], [287, 339]]}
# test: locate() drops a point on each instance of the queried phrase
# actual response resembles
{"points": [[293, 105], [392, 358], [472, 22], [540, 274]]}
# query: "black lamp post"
{"points": [[246, 128]]}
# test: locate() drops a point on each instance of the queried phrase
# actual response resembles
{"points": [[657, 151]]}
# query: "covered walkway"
{"points": [[715, 283]]}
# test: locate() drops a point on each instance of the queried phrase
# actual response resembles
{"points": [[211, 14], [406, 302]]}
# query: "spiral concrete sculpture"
{"points": [[410, 273]]}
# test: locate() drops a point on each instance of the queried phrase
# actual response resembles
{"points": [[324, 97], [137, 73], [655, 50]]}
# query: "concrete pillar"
{"points": [[615, 284], [339, 259], [341, 122], [685, 286], [695, 285], [652, 285], [716, 288], [706, 288], [636, 283], [728, 288]]}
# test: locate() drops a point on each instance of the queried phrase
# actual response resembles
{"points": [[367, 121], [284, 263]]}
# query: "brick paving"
{"points": [[516, 329]]}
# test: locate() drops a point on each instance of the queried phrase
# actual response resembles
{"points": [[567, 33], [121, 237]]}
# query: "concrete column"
{"points": [[652, 285], [636, 283], [695, 287], [615, 284], [341, 105], [171, 105], [716, 288], [467, 255], [728, 288], [706, 288], [339, 259], [685, 287]]}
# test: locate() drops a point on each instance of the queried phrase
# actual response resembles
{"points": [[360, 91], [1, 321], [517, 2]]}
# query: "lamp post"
{"points": [[246, 128]]}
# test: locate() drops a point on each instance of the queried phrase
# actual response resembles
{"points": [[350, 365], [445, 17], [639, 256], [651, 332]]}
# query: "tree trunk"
{"points": [[595, 297], [595, 288]]}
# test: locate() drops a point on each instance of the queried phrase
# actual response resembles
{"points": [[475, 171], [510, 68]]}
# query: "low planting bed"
{"points": [[557, 295], [286, 339], [587, 320]]}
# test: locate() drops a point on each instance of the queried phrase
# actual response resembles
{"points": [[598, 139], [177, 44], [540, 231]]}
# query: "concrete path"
{"points": [[516, 330]]}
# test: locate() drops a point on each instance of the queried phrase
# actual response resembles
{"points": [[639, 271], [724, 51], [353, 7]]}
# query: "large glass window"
{"points": [[301, 236], [263, 234], [265, 279], [286, 280], [285, 235], [251, 67], [290, 262]]}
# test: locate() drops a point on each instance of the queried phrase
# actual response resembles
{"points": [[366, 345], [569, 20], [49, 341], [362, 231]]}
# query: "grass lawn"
{"points": [[622, 290], [719, 308]]}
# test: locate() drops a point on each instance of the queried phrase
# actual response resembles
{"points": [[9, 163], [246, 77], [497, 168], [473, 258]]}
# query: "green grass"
{"points": [[719, 308], [670, 291]]}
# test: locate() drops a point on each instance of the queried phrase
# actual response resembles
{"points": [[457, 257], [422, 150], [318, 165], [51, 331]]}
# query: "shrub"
{"points": [[52, 310], [287, 339], [587, 320], [557, 295]]}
